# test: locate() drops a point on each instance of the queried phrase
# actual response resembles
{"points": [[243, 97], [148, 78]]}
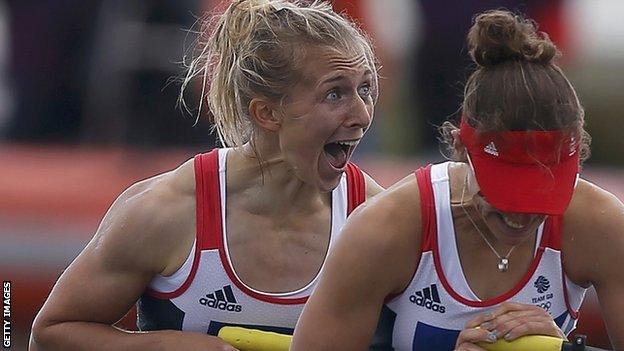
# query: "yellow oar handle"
{"points": [[254, 340], [257, 340], [526, 343]]}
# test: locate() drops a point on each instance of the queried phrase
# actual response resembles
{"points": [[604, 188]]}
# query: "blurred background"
{"points": [[88, 106]]}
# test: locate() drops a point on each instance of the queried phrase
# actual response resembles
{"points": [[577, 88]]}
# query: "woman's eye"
{"points": [[332, 96], [365, 90]]}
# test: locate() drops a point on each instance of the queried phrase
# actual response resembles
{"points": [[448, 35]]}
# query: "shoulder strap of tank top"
{"points": [[356, 187], [553, 230], [427, 207], [208, 199]]}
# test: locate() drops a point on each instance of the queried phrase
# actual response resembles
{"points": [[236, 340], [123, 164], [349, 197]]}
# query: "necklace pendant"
{"points": [[503, 264]]}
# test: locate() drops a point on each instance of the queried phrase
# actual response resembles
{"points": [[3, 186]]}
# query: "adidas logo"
{"points": [[222, 299], [491, 149], [428, 298]]}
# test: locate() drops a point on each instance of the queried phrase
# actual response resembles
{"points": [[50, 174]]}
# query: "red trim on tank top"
{"points": [[554, 239], [427, 216], [211, 202], [256, 295], [432, 229], [356, 187], [555, 243], [204, 166], [209, 234], [356, 195], [489, 302], [427, 207], [573, 313], [216, 235]]}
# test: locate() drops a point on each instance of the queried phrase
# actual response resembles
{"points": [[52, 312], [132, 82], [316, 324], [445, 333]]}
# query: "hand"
{"points": [[181, 340], [213, 343], [220, 346], [509, 321], [469, 337]]}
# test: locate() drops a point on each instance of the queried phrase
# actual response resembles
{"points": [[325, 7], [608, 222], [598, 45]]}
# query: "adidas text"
{"points": [[428, 298], [428, 304], [222, 299], [221, 305]]}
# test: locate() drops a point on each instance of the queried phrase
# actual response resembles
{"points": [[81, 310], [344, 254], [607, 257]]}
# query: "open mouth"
{"points": [[512, 224], [339, 152]]}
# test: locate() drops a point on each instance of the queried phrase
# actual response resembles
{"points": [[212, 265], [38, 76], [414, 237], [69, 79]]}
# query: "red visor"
{"points": [[524, 171]]}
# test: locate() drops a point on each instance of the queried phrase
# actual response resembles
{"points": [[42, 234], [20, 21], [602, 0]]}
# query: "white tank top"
{"points": [[206, 294], [438, 302]]}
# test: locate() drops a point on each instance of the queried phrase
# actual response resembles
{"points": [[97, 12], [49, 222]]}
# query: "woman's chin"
{"points": [[328, 175], [512, 236]]}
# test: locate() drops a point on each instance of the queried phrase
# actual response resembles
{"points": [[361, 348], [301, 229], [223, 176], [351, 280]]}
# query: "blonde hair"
{"points": [[256, 48]]}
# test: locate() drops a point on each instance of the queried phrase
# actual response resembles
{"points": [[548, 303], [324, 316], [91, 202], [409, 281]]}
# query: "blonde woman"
{"points": [[236, 236]]}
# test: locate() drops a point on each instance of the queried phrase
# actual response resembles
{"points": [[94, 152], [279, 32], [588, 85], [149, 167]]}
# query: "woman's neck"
{"points": [[270, 184]]}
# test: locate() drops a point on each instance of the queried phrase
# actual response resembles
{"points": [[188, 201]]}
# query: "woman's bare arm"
{"points": [[374, 257], [137, 239], [372, 187], [594, 252]]}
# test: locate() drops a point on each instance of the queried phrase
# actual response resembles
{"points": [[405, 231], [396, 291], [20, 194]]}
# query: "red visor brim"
{"points": [[521, 188], [524, 171]]}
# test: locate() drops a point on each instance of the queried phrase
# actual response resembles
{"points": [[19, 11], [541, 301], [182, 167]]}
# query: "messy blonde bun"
{"points": [[499, 36], [256, 48]]}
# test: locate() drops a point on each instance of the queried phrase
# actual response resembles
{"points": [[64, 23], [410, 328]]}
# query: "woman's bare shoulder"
{"points": [[155, 217], [386, 230], [593, 236], [372, 187], [395, 204]]}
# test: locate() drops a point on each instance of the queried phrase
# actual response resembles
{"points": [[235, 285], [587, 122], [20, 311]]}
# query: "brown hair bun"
{"points": [[499, 35]]}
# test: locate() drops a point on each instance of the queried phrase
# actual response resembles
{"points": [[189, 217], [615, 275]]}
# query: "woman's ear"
{"points": [[264, 114], [460, 149]]}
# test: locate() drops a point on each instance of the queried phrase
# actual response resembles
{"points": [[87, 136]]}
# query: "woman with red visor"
{"points": [[501, 243]]}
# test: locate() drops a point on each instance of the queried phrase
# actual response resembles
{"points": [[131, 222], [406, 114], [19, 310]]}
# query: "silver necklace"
{"points": [[503, 261]]}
